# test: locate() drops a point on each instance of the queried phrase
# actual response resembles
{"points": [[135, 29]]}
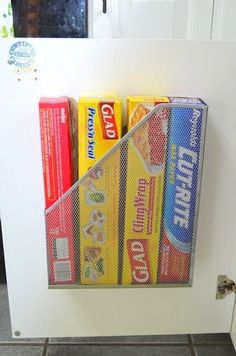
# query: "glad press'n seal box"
{"points": [[99, 128], [99, 228]]}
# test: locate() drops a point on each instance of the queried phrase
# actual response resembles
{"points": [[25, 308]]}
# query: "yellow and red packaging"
{"points": [[99, 225], [140, 106], [99, 127], [145, 187], [58, 178]]}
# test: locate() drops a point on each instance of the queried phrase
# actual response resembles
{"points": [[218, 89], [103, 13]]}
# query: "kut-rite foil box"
{"points": [[99, 128], [58, 178], [182, 189]]}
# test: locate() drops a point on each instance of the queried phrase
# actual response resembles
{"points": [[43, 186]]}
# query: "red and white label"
{"points": [[139, 262], [108, 121], [57, 171], [174, 265]]}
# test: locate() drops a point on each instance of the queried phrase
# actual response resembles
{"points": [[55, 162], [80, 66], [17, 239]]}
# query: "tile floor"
{"points": [[176, 345]]}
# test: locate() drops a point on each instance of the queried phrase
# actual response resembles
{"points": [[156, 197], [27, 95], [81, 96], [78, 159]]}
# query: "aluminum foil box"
{"points": [[182, 186]]}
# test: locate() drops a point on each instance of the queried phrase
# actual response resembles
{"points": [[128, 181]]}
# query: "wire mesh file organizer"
{"points": [[131, 219]]}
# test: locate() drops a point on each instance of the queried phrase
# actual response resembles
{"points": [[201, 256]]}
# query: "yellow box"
{"points": [[139, 106], [99, 128], [142, 221], [146, 190], [99, 229]]}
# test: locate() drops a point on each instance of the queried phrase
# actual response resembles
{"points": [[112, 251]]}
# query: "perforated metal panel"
{"points": [[131, 220]]}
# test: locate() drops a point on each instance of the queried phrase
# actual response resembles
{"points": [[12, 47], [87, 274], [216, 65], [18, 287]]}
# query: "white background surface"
{"points": [[163, 19], [76, 67], [224, 24], [159, 19]]}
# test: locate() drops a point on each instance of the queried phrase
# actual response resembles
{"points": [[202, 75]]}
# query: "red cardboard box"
{"points": [[58, 178]]}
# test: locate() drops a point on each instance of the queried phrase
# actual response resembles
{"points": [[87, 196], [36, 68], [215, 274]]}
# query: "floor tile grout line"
{"points": [[88, 344], [191, 346], [12, 343], [28, 343], [208, 344], [45, 349]]}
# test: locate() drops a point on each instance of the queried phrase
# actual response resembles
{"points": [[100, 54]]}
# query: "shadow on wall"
{"points": [[2, 263]]}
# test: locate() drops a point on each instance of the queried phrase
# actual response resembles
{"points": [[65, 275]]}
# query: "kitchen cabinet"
{"points": [[162, 19], [80, 67], [224, 25]]}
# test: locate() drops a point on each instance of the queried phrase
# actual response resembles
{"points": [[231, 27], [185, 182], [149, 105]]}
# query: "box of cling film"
{"points": [[99, 128], [139, 106], [144, 198]]}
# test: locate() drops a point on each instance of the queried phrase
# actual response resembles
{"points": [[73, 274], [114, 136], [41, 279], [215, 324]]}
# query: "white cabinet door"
{"points": [[224, 20], [84, 67], [161, 19]]}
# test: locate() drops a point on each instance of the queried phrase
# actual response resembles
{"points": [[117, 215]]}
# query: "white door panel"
{"points": [[162, 19], [84, 67], [200, 19], [224, 20], [142, 19], [100, 23]]}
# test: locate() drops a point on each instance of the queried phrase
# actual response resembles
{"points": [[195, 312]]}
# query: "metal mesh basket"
{"points": [[131, 219]]}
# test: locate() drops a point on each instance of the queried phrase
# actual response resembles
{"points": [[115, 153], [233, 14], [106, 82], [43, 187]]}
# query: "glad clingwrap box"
{"points": [[58, 178], [147, 150], [139, 106], [99, 127]]}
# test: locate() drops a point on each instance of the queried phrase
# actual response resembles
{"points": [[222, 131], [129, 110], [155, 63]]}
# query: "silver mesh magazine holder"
{"points": [[130, 221]]}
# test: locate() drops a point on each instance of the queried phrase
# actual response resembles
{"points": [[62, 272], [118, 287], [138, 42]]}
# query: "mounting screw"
{"points": [[17, 333]]}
